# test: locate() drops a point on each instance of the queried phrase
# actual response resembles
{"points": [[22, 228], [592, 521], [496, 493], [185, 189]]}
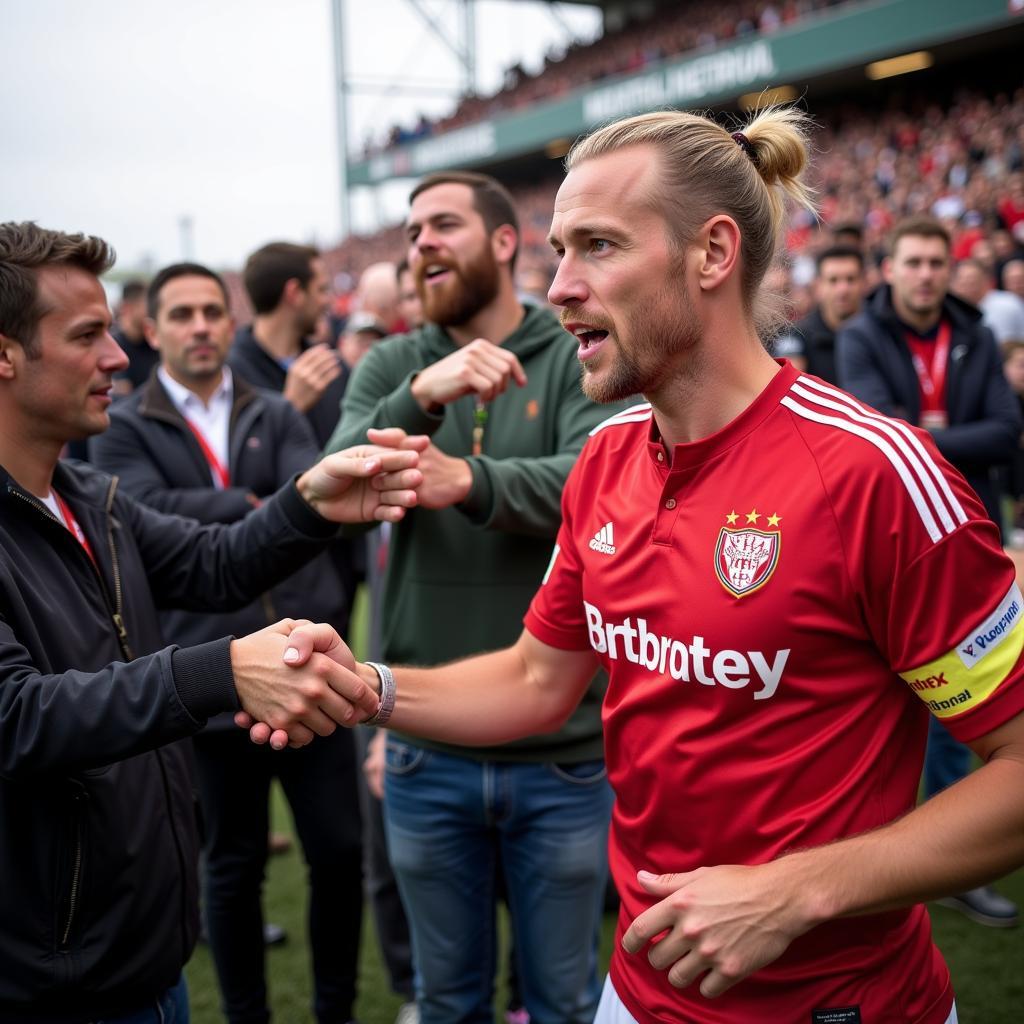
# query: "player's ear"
{"points": [[718, 242]]}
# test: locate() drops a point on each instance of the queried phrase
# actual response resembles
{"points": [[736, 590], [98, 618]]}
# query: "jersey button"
{"points": [[661, 456], [671, 503]]}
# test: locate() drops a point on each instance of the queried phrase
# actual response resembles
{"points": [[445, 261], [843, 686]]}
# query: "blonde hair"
{"points": [[705, 170]]}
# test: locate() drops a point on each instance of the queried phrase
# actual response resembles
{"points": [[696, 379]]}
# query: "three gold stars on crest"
{"points": [[752, 517]]}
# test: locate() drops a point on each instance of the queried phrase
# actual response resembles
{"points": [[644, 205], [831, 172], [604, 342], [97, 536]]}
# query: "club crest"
{"points": [[746, 558]]}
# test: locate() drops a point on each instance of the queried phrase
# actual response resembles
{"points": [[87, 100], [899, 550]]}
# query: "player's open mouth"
{"points": [[590, 342]]}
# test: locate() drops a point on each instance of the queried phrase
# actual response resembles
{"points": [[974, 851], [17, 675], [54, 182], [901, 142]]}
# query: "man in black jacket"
{"points": [[98, 908], [288, 287], [920, 354], [200, 441], [839, 288]]}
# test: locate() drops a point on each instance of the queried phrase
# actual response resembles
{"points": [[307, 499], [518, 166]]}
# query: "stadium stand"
{"points": [[668, 29]]}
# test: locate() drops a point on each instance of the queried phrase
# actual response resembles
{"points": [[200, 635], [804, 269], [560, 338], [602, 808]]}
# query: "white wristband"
{"points": [[387, 695]]}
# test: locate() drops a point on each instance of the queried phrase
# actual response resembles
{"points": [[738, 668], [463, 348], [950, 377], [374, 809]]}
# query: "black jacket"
{"points": [[159, 462], [874, 364], [262, 370], [97, 831], [249, 359], [813, 339]]}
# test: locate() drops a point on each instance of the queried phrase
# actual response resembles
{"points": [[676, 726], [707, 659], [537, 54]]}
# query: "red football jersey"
{"points": [[755, 604]]}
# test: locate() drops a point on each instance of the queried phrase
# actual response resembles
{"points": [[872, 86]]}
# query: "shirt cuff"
{"points": [[204, 679]]}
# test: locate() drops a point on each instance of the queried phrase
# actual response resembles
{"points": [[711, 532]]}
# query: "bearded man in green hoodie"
{"points": [[496, 387]]}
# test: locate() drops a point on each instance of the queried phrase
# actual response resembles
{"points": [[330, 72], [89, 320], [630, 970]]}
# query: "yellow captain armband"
{"points": [[970, 673]]}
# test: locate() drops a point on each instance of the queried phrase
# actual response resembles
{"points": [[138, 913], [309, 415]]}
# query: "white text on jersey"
{"points": [[663, 654]]}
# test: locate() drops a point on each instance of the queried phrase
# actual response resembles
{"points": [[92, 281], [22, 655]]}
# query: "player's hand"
{"points": [[310, 375], [479, 368], [297, 703], [723, 922], [308, 645], [366, 482], [447, 479], [373, 763]]}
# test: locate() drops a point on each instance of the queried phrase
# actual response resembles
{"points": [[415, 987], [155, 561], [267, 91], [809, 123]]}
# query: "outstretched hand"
{"points": [[446, 479], [366, 482]]}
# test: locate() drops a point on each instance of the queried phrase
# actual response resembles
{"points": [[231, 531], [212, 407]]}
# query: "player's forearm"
{"points": [[966, 836], [480, 701]]}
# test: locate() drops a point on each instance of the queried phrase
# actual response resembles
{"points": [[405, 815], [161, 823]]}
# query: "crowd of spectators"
{"points": [[962, 162], [667, 30]]}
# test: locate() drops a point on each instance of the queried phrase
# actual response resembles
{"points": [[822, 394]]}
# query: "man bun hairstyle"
{"points": [[25, 248], [706, 170]]}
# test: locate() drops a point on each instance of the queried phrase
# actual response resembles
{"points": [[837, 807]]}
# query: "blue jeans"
{"points": [[448, 818], [170, 1008], [946, 760]]}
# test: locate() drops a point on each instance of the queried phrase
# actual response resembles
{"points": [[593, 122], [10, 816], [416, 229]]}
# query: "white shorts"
{"points": [[611, 1011]]}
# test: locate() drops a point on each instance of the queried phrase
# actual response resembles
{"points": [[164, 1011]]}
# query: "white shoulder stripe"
{"points": [[887, 428], [634, 414], [915, 442], [920, 503]]}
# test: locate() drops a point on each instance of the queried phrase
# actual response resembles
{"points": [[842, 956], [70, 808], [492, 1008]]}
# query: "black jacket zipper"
{"points": [[76, 873], [115, 613], [117, 618]]}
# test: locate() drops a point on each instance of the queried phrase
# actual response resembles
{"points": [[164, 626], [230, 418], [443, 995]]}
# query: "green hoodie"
{"points": [[459, 580]]}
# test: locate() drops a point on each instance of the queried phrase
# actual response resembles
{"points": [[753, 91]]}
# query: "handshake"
{"points": [[295, 679]]}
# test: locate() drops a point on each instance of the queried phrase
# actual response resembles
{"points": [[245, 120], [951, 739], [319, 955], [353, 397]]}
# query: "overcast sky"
{"points": [[121, 117]]}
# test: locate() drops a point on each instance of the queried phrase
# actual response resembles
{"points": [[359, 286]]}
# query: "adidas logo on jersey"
{"points": [[664, 655], [604, 540]]}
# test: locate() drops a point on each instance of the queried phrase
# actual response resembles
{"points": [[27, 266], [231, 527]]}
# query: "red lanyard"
{"points": [[932, 379], [220, 471], [72, 524]]}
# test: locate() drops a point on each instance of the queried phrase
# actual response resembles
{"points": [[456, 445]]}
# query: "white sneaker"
{"points": [[408, 1013]]}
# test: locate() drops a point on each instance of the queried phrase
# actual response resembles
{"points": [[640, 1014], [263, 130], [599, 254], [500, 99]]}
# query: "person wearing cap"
{"points": [[362, 331]]}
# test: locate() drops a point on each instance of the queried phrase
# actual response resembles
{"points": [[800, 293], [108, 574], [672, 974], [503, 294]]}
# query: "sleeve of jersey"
{"points": [[955, 630], [555, 615]]}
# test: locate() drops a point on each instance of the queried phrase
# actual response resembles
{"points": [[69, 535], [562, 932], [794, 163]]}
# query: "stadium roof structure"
{"points": [[829, 49]]}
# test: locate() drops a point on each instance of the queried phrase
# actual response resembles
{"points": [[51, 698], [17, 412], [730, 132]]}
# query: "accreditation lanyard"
{"points": [[931, 378], [221, 476], [72, 524]]}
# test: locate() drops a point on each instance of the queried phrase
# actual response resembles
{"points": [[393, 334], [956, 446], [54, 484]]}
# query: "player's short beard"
{"points": [[472, 286], [658, 353]]}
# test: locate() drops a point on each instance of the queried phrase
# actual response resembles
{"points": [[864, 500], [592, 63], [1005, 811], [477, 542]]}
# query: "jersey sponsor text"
{"points": [[734, 670]]}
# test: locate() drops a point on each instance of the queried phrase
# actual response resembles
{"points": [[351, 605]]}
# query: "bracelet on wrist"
{"points": [[387, 695]]}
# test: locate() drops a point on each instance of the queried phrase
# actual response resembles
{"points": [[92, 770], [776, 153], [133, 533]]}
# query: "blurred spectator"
{"points": [[1013, 277], [377, 294], [1001, 312], [1013, 367], [410, 306], [533, 283], [129, 333], [362, 331], [839, 289]]}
